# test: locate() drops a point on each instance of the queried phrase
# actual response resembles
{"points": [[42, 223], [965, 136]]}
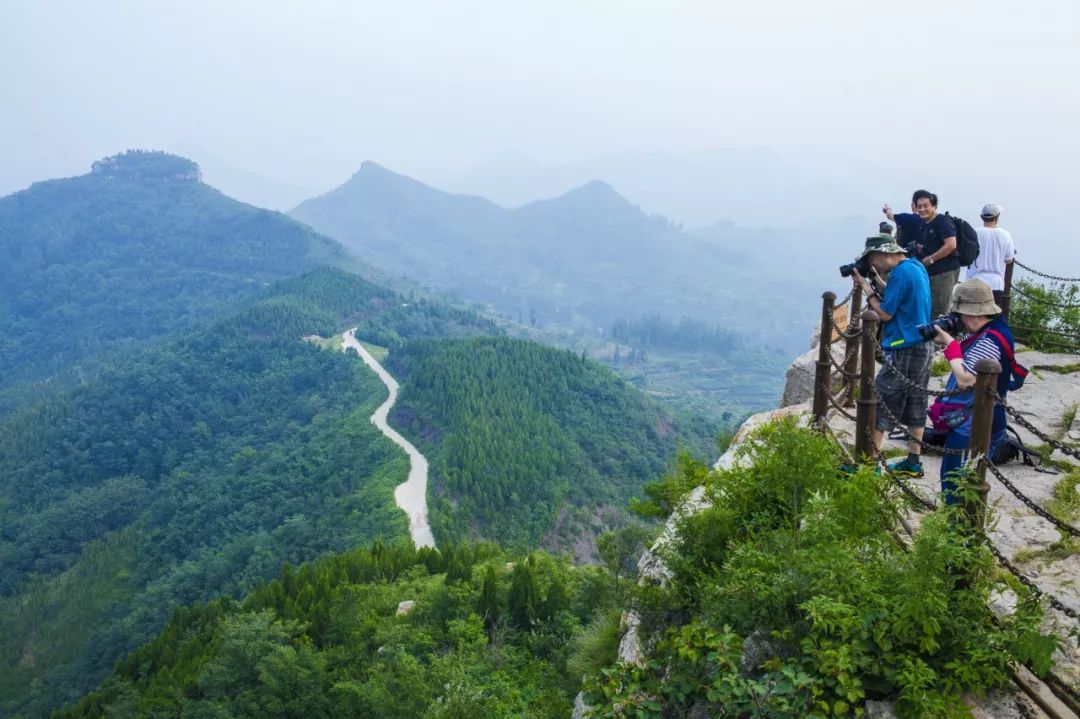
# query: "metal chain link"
{"points": [[1059, 333], [1033, 271], [841, 303], [1071, 349], [1030, 503], [852, 332], [841, 445], [909, 383], [1043, 301], [839, 367], [1029, 583], [1015, 414], [836, 405], [915, 496], [897, 422]]}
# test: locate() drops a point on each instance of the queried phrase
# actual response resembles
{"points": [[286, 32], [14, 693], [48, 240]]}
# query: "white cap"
{"points": [[990, 209]]}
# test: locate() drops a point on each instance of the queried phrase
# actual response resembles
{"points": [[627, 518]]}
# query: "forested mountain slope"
{"points": [[484, 639], [137, 248], [531, 444], [189, 470]]}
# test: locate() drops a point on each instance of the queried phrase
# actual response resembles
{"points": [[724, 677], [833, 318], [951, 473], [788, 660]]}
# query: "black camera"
{"points": [[949, 323], [862, 265]]}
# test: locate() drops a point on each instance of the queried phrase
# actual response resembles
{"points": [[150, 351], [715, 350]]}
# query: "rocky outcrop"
{"points": [[799, 380]]}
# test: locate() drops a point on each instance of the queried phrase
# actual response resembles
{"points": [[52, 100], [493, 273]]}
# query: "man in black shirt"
{"points": [[937, 251]]}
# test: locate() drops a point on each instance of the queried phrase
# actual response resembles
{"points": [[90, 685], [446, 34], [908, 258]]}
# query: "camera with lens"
{"points": [[862, 265], [950, 323]]}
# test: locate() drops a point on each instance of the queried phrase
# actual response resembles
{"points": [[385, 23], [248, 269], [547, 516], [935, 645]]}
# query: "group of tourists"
{"points": [[915, 278]]}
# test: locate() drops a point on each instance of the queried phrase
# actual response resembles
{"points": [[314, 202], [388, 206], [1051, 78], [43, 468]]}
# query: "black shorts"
{"points": [[906, 403]]}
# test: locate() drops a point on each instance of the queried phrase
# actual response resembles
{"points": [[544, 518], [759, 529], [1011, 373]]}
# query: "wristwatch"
{"points": [[930, 260]]}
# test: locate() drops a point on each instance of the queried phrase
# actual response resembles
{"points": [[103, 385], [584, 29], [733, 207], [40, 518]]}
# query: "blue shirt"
{"points": [[907, 299]]}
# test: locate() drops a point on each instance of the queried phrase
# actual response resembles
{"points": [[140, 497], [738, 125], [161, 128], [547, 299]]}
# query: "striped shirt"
{"points": [[983, 348]]}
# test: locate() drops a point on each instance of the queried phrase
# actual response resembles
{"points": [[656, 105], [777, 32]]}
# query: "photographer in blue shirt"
{"points": [[902, 304]]}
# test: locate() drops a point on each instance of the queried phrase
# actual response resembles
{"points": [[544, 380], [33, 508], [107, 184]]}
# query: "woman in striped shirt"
{"points": [[988, 337]]}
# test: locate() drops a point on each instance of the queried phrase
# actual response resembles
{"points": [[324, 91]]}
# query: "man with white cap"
{"points": [[996, 249]]}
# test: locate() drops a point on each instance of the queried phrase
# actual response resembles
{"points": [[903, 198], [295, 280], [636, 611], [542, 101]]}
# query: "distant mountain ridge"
{"points": [[137, 248], [583, 259]]}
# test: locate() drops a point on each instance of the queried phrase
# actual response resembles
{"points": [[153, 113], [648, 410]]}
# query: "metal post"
{"points": [[982, 421], [851, 345], [866, 406], [1006, 295], [823, 371]]}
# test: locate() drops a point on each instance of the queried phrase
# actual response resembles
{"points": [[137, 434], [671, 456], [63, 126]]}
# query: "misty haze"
{"points": [[472, 359]]}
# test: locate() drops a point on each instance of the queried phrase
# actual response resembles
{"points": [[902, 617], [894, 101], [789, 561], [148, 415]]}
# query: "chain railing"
{"points": [[1018, 289], [1034, 271], [1030, 583], [1062, 526], [869, 403], [1023, 422]]}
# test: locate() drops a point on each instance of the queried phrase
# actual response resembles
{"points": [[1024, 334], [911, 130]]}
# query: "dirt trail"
{"points": [[411, 495]]}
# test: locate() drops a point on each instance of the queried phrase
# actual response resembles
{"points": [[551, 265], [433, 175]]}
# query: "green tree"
{"points": [[487, 604], [523, 602], [620, 549]]}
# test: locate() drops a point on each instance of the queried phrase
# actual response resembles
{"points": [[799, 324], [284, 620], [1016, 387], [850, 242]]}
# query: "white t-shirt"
{"points": [[995, 249]]}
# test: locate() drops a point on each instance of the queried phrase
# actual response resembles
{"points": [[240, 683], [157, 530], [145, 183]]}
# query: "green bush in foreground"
{"points": [[792, 596]]}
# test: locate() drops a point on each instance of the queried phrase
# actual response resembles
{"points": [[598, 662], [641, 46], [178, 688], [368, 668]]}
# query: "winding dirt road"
{"points": [[411, 495]]}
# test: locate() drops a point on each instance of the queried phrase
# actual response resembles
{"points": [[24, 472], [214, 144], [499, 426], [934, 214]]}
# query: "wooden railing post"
{"points": [[823, 371], [1006, 295], [982, 422], [851, 345], [866, 405]]}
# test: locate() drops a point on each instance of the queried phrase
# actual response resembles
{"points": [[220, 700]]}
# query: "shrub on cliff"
{"points": [[794, 596]]}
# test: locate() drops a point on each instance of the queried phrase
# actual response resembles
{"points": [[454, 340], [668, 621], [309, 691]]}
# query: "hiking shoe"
{"points": [[904, 468]]}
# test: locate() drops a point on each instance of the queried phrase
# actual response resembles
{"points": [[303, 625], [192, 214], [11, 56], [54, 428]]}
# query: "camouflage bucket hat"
{"points": [[882, 242], [974, 297]]}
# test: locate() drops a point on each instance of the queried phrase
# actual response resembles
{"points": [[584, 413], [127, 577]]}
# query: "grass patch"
{"points": [[1059, 550], [1045, 452], [1061, 369], [334, 343], [379, 353], [1065, 500], [1069, 417], [940, 367]]}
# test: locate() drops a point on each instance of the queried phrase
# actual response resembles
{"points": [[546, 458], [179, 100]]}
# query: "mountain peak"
{"points": [[369, 167], [595, 189], [594, 196], [147, 165]]}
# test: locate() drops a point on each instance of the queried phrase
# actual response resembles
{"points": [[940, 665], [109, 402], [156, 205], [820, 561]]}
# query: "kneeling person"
{"points": [[902, 304], [988, 337]]}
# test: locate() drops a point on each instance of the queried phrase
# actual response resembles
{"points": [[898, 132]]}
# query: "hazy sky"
{"points": [[304, 91]]}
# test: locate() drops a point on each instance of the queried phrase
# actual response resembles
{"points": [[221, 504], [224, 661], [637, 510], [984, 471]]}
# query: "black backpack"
{"points": [[1012, 447], [967, 241]]}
